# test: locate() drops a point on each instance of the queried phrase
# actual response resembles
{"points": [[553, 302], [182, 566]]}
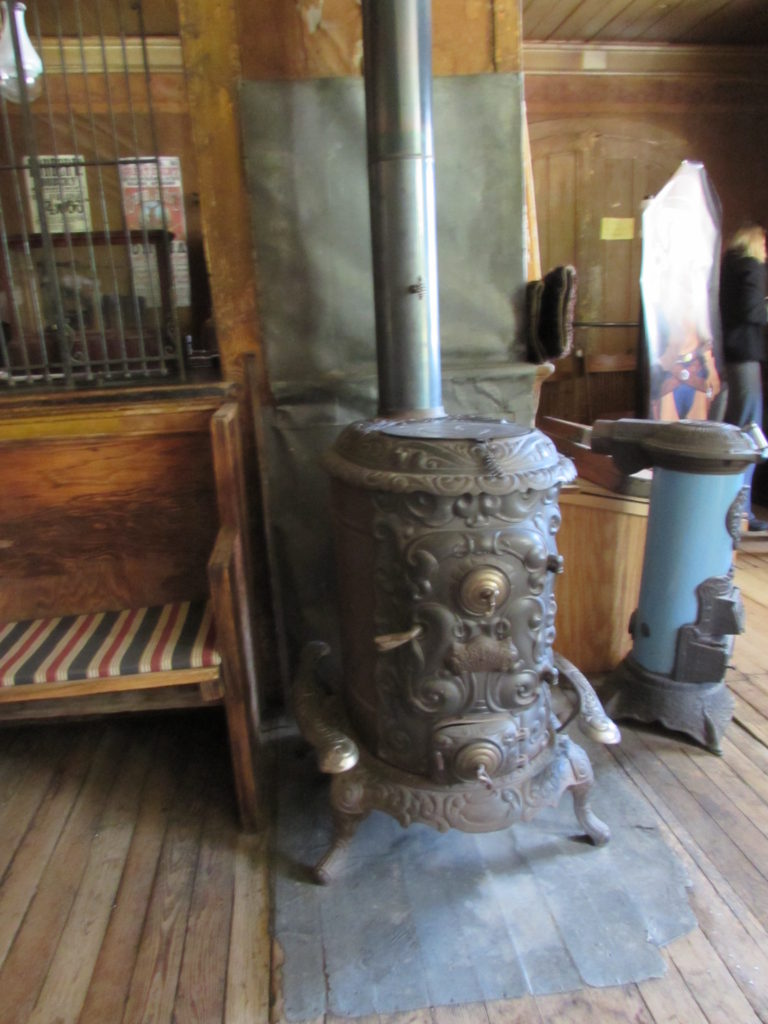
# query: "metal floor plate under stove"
{"points": [[424, 919]]}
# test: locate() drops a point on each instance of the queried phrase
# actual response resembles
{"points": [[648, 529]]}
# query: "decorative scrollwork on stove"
{"points": [[468, 807], [365, 455], [510, 691], [484, 654], [472, 607], [439, 695], [733, 516]]}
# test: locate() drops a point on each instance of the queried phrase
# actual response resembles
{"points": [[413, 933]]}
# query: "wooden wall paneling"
{"points": [[108, 16], [98, 93], [465, 33], [301, 40], [315, 40]]}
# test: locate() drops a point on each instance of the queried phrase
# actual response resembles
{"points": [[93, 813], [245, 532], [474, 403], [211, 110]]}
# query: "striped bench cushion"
{"points": [[100, 644]]}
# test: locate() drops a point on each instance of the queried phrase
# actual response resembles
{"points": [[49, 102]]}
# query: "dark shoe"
{"points": [[755, 525]]}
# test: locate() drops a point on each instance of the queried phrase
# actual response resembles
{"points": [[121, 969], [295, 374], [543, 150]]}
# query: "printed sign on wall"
{"points": [[153, 199], [64, 197]]}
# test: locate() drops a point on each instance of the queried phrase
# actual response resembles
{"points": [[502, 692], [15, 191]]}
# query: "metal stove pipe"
{"points": [[397, 41]]}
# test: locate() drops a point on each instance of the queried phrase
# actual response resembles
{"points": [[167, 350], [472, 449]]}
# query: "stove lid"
{"points": [[447, 456], [686, 446], [470, 428]]}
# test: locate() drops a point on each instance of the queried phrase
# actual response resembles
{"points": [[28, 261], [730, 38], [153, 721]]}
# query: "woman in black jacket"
{"points": [[743, 315]]}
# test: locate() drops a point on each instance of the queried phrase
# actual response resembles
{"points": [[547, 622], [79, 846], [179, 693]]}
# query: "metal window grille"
{"points": [[87, 260]]}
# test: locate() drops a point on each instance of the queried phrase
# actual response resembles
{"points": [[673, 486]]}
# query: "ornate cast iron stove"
{"points": [[447, 558], [445, 538]]}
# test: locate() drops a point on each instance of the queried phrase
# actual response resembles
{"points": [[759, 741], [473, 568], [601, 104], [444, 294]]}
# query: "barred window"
{"points": [[97, 257]]}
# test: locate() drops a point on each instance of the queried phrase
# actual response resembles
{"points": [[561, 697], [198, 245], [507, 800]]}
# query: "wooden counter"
{"points": [[602, 541]]}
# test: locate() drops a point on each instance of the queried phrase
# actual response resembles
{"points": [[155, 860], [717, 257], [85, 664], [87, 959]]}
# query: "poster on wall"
{"points": [[679, 287], [64, 194], [153, 199]]}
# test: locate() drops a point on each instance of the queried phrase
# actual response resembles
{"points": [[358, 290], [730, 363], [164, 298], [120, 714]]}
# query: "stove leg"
{"points": [[596, 829], [581, 789], [331, 863]]}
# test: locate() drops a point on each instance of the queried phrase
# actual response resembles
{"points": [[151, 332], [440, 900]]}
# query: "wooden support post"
{"points": [[507, 35], [210, 45]]}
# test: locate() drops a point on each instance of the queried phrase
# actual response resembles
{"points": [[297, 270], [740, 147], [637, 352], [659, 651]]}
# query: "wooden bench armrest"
{"points": [[222, 558], [234, 640], [232, 615]]}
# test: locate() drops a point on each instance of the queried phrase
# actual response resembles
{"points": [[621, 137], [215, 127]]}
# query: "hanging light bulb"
{"points": [[31, 65]]}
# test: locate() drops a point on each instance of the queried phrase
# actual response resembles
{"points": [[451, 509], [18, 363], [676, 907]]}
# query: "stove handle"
{"points": [[391, 641], [320, 715], [592, 719]]}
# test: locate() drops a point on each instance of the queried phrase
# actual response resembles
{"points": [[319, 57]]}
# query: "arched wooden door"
{"points": [[590, 182]]}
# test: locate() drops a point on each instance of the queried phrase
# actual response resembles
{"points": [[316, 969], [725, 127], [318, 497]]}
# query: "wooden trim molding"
{"points": [[139, 411], [644, 59], [113, 54], [165, 55]]}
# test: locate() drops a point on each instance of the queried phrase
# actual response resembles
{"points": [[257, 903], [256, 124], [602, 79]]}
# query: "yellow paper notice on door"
{"points": [[617, 229]]}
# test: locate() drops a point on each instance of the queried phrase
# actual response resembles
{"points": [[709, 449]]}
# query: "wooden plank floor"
{"points": [[127, 895]]}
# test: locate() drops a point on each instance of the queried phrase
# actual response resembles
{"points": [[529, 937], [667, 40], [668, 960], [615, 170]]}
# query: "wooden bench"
{"points": [[125, 563]]}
